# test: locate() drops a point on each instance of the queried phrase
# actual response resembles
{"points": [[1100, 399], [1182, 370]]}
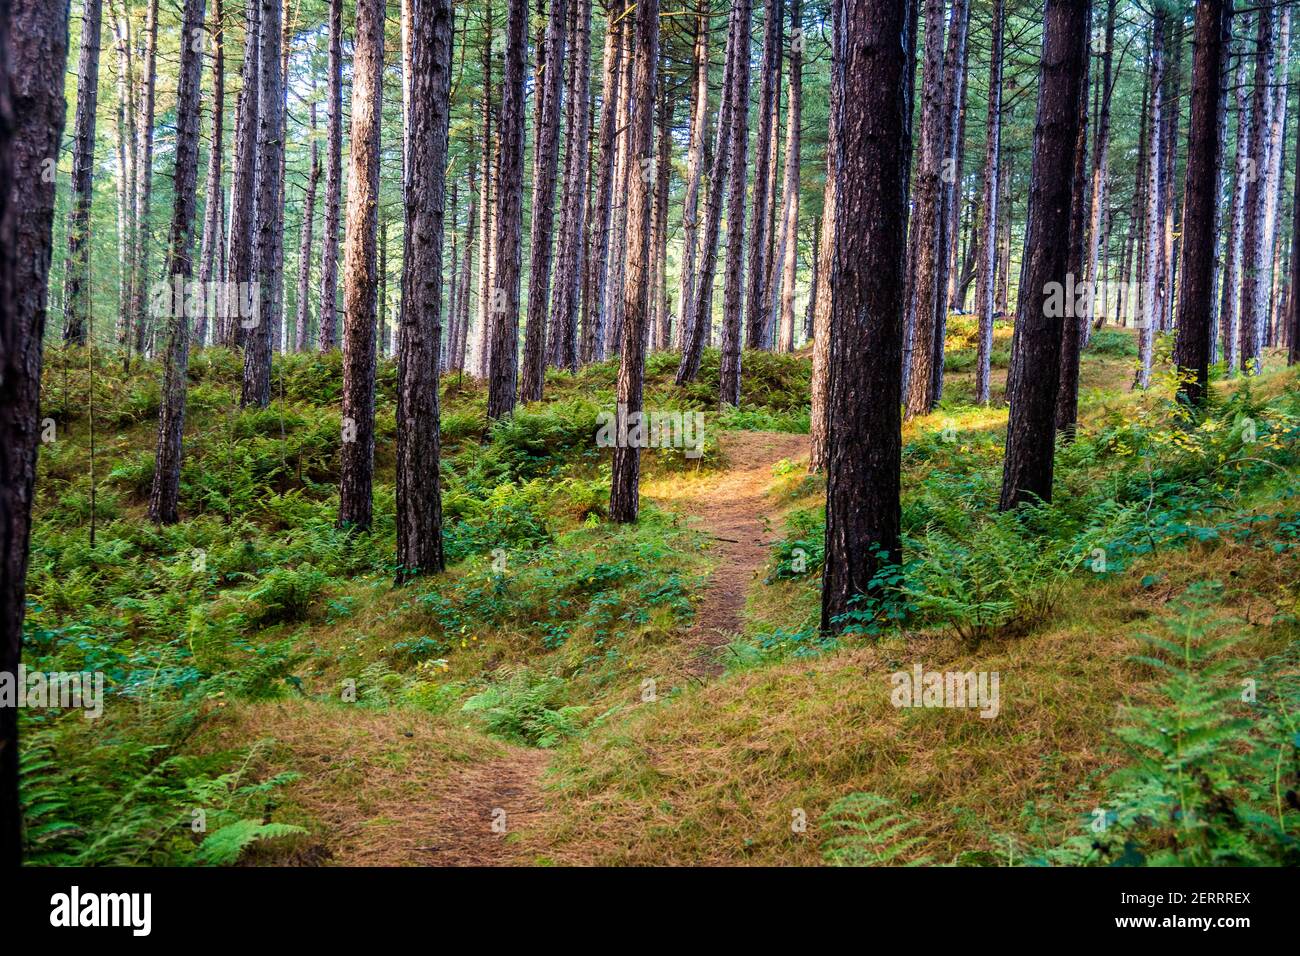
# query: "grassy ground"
{"points": [[545, 701]]}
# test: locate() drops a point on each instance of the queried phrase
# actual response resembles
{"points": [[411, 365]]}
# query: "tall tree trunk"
{"points": [[987, 271], [918, 355], [863, 513], [144, 184], [210, 247], [165, 493], [625, 471], [419, 500], [1169, 210], [547, 154], [819, 427], [618, 211], [1152, 235], [360, 271], [243, 188], [504, 368], [458, 343], [1200, 197], [1293, 303], [759, 239], [33, 60], [126, 176], [268, 254], [76, 273], [302, 321], [1254, 245], [565, 300], [487, 197], [1273, 189], [329, 253], [599, 226], [1100, 161], [790, 190], [658, 311], [1031, 431], [1230, 300], [733, 284], [694, 170]]}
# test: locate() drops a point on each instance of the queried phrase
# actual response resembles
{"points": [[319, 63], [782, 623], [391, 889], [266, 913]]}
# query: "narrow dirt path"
{"points": [[731, 508]]}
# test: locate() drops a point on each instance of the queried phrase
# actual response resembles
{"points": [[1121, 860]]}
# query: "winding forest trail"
{"points": [[455, 827]]}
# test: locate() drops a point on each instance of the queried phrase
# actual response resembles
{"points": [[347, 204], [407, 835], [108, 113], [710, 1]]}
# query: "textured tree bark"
{"points": [[701, 310], [1200, 197], [144, 185], [593, 308], [658, 310], [1170, 102], [1100, 163], [618, 211], [360, 271], [76, 274], [1272, 248], [626, 469], [1293, 305], [922, 275], [329, 252], [1031, 431], [1230, 301], [302, 322], [243, 187], [458, 343], [547, 154], [759, 239], [733, 282], [863, 514], [503, 373], [165, 493], [268, 254], [419, 501], [987, 271], [694, 171], [790, 191], [486, 199], [33, 59], [1254, 248], [210, 267], [562, 342], [126, 174], [811, 308], [819, 420], [1152, 242]]}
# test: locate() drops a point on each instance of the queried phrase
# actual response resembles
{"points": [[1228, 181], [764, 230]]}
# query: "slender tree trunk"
{"points": [[1273, 189], [593, 309], [1230, 300], [243, 189], [419, 500], [127, 137], [863, 513], [302, 323], [1100, 160], [144, 185], [76, 274], [819, 427], [1200, 197], [504, 368], [626, 469], [987, 272], [1152, 236], [565, 299], [658, 313], [694, 170], [268, 254], [790, 198], [360, 271], [1254, 245], [759, 239], [1031, 431], [487, 196], [733, 284], [618, 212], [209, 248], [164, 496], [33, 59], [458, 343]]}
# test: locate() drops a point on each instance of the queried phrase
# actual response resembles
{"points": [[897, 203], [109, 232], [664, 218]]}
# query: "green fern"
{"points": [[868, 831], [225, 846]]}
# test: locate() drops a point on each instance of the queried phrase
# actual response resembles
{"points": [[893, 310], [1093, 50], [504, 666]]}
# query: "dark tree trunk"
{"points": [[819, 427], [759, 239], [243, 189], [302, 323], [1200, 197], [551, 94], [1031, 431], [503, 372], [701, 309], [76, 275], [329, 251], [164, 496], [360, 271], [658, 311], [790, 189], [1254, 251], [1100, 163], [456, 360], [618, 211], [268, 255], [419, 501], [33, 59], [733, 284], [144, 184], [126, 173], [598, 227], [1230, 301], [987, 270], [565, 300], [694, 170], [863, 514], [210, 248], [626, 469]]}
